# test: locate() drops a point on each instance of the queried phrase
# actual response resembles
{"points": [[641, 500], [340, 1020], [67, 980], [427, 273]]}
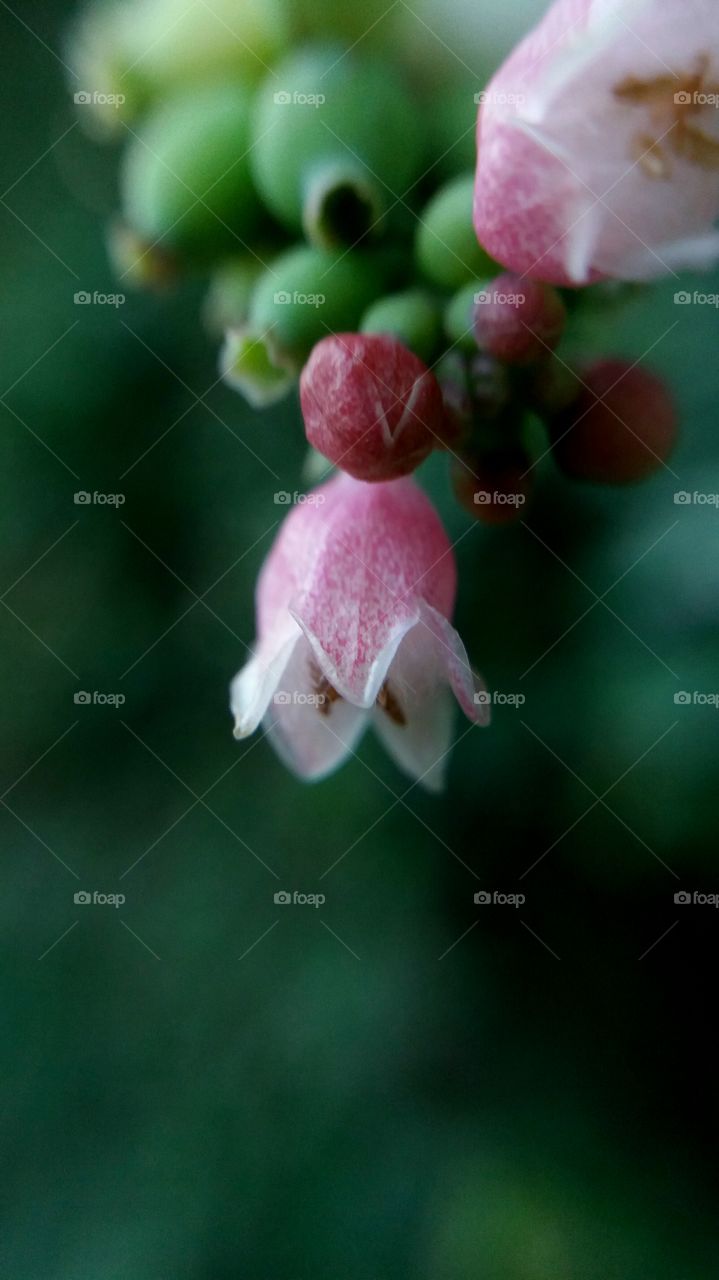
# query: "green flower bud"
{"points": [[309, 293], [447, 249], [372, 20], [210, 37], [227, 302], [186, 180], [459, 315], [252, 365], [140, 264], [178, 42], [129, 52], [334, 137], [108, 88], [412, 316], [306, 294]]}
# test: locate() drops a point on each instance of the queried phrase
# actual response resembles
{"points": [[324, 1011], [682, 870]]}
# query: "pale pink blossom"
{"points": [[354, 604], [598, 143]]}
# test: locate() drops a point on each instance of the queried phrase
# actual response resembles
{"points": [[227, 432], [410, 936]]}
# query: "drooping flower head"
{"points": [[598, 143], [354, 604]]}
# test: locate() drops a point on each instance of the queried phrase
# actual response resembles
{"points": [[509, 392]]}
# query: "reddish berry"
{"points": [[370, 405], [494, 488], [620, 427], [518, 320]]}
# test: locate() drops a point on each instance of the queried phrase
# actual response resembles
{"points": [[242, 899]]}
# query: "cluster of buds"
{"points": [[418, 304]]}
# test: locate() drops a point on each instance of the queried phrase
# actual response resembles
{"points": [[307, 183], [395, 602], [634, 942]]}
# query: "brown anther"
{"points": [[326, 692], [387, 701], [671, 101]]}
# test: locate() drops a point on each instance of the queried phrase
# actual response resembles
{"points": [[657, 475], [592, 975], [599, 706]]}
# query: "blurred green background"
{"points": [[201, 1084]]}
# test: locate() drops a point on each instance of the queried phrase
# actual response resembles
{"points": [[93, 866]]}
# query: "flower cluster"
{"points": [[338, 234]]}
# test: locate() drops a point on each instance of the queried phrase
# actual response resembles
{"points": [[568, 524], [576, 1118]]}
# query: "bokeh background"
{"points": [[201, 1084]]}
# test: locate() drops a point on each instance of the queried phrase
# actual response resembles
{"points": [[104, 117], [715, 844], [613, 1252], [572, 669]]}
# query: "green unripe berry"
{"points": [[227, 302], [137, 263], [447, 249], [306, 294], [372, 20], [310, 292], [108, 83], [179, 42], [251, 365], [412, 316], [459, 315], [186, 179], [333, 137]]}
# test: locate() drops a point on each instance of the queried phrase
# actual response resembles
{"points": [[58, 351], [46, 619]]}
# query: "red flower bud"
{"points": [[370, 405], [620, 428], [518, 320]]}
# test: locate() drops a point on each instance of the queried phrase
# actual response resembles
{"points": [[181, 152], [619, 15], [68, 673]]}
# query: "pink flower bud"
{"points": [[354, 607], [517, 320], [370, 405], [620, 428], [598, 143]]}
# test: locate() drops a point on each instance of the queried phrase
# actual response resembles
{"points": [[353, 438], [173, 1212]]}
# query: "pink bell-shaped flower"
{"points": [[353, 626], [598, 143]]}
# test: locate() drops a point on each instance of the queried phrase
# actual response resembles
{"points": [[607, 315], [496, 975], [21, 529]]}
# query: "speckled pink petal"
{"points": [[384, 552], [587, 166], [353, 609]]}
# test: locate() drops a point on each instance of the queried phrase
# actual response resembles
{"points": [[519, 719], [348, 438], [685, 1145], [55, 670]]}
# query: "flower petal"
{"points": [[311, 737], [416, 726], [384, 551], [253, 687], [468, 687], [589, 163]]}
